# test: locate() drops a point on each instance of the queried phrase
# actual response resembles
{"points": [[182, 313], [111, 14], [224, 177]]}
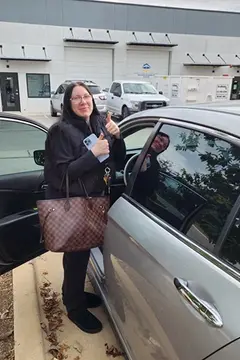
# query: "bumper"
{"points": [[102, 108], [147, 105]]}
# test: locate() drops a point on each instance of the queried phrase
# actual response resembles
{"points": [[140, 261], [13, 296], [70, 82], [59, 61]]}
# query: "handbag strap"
{"points": [[84, 187], [81, 183]]}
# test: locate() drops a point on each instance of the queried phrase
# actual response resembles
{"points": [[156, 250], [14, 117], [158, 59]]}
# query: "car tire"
{"points": [[53, 112], [125, 112]]}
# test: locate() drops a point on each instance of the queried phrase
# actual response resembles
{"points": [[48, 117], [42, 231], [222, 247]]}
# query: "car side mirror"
{"points": [[39, 157], [116, 94], [160, 92]]}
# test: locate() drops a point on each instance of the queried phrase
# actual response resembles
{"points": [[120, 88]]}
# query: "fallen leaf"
{"points": [[4, 314], [6, 335], [78, 347], [53, 315], [113, 351]]}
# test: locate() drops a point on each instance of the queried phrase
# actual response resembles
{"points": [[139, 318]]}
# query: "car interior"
{"points": [[20, 236]]}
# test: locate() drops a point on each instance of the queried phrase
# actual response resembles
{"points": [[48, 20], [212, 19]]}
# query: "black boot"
{"points": [[85, 321], [92, 300]]}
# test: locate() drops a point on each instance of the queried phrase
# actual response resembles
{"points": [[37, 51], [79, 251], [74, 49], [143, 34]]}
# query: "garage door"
{"points": [[89, 64], [141, 64]]}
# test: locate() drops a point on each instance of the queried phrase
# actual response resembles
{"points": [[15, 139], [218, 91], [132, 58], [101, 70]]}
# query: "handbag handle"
{"points": [[67, 203], [80, 183]]}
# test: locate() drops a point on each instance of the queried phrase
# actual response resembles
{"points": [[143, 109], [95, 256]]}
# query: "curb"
{"points": [[31, 342], [27, 329]]}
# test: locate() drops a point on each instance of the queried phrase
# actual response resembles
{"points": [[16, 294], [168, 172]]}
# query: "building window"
{"points": [[38, 85]]}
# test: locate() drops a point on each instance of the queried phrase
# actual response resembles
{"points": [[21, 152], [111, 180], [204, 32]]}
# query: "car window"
{"points": [[138, 88], [230, 251], [94, 89], [190, 180], [57, 91], [17, 143], [61, 90], [118, 89], [137, 140], [113, 87]]}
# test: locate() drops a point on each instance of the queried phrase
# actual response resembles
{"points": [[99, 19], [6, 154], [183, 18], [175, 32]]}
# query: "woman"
{"points": [[64, 151]]}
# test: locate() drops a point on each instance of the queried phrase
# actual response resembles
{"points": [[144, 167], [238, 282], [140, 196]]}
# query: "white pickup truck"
{"points": [[126, 97]]}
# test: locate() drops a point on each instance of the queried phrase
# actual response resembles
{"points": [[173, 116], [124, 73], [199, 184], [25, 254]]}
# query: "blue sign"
{"points": [[146, 66]]}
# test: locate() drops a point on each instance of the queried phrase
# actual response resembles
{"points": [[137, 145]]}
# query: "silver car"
{"points": [[169, 273], [56, 102]]}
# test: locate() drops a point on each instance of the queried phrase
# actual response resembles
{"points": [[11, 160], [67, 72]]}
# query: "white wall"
{"points": [[34, 37], [219, 5]]}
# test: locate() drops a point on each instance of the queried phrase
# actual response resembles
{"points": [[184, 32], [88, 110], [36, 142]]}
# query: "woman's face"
{"points": [[82, 103]]}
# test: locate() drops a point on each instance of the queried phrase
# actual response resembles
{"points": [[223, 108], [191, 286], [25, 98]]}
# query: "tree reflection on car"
{"points": [[167, 201]]}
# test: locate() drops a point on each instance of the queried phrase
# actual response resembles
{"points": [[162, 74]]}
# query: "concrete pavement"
{"points": [[37, 307]]}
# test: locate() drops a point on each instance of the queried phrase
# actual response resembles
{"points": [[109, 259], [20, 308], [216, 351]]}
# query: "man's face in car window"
{"points": [[160, 143]]}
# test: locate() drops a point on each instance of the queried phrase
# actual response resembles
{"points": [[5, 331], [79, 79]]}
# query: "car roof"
{"points": [[132, 81], [42, 122], [221, 117], [89, 82]]}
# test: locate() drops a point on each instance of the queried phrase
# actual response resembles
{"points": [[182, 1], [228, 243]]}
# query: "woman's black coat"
{"points": [[64, 149]]}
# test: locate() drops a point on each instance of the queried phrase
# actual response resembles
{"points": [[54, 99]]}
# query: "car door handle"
{"points": [[206, 310], [44, 186]]}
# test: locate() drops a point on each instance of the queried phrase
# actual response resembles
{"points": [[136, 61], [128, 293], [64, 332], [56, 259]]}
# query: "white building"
{"points": [[44, 42]]}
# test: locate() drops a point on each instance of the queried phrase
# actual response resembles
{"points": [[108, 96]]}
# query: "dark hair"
{"points": [[166, 136], [67, 106]]}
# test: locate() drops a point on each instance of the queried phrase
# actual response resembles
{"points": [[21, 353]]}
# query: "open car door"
{"points": [[135, 131], [21, 185]]}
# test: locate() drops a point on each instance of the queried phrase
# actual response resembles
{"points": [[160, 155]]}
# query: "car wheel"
{"points": [[53, 112], [125, 112]]}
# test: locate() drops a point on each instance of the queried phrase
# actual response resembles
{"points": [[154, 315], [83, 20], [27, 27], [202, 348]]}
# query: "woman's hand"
{"points": [[112, 127], [146, 164], [101, 147]]}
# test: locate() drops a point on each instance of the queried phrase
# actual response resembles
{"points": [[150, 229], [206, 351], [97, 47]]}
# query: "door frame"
{"points": [[17, 106]]}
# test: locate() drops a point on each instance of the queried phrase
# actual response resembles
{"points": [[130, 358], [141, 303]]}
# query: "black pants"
{"points": [[75, 269]]}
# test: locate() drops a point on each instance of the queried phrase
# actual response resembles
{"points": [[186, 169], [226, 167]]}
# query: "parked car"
{"points": [[127, 97], [169, 273], [56, 102]]}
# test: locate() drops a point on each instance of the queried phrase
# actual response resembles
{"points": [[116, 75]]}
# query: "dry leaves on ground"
{"points": [[6, 318], [113, 351], [53, 315]]}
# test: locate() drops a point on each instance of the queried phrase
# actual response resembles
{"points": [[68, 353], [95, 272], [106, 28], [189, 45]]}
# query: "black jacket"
{"points": [[64, 149]]}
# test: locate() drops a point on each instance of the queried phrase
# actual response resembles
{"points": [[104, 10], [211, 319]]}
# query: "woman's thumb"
{"points": [[109, 117], [101, 136]]}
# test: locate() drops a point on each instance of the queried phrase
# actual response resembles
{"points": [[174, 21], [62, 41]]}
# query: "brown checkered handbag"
{"points": [[73, 223]]}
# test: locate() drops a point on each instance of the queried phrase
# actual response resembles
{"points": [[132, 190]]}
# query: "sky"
{"points": [[222, 5]]}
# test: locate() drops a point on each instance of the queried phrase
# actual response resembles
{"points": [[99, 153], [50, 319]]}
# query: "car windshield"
{"points": [[139, 88], [94, 89]]}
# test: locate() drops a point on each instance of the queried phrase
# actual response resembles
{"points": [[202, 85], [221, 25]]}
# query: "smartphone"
{"points": [[89, 142]]}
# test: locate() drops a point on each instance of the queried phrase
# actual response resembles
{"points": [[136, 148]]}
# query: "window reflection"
{"points": [[190, 181], [9, 89], [38, 85], [231, 248]]}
